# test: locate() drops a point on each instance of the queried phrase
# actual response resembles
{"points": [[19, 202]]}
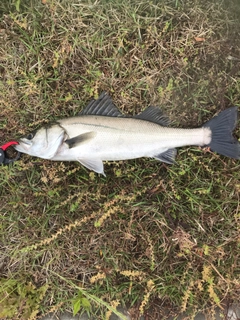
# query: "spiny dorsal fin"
{"points": [[103, 106], [153, 114]]}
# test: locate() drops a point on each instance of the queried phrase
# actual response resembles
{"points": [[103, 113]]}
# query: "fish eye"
{"points": [[30, 136]]}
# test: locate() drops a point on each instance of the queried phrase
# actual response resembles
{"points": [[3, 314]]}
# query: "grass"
{"points": [[149, 236]]}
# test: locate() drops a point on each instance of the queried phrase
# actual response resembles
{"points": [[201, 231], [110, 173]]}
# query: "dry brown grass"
{"points": [[149, 236]]}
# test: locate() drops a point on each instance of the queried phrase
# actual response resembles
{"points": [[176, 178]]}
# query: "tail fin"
{"points": [[222, 126]]}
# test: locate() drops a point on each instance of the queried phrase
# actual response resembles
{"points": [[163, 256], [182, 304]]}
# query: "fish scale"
{"points": [[126, 138]]}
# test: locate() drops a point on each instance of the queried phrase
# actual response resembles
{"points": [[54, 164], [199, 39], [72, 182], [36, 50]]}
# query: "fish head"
{"points": [[42, 143]]}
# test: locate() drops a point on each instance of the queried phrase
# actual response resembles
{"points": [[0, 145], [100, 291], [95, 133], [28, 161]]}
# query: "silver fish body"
{"points": [[101, 133], [124, 138]]}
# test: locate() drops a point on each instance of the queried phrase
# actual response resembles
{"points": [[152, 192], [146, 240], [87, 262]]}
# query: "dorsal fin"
{"points": [[103, 106], [153, 114]]}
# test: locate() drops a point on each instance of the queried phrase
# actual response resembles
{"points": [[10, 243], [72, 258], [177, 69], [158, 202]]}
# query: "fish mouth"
{"points": [[23, 145]]}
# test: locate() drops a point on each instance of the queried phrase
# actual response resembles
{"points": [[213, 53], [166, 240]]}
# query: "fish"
{"points": [[100, 132]]}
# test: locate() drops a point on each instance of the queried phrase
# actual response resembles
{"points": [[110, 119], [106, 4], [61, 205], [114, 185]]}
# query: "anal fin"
{"points": [[167, 156]]}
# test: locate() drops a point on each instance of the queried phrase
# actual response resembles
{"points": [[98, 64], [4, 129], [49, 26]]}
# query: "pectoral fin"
{"points": [[75, 141], [93, 164]]}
